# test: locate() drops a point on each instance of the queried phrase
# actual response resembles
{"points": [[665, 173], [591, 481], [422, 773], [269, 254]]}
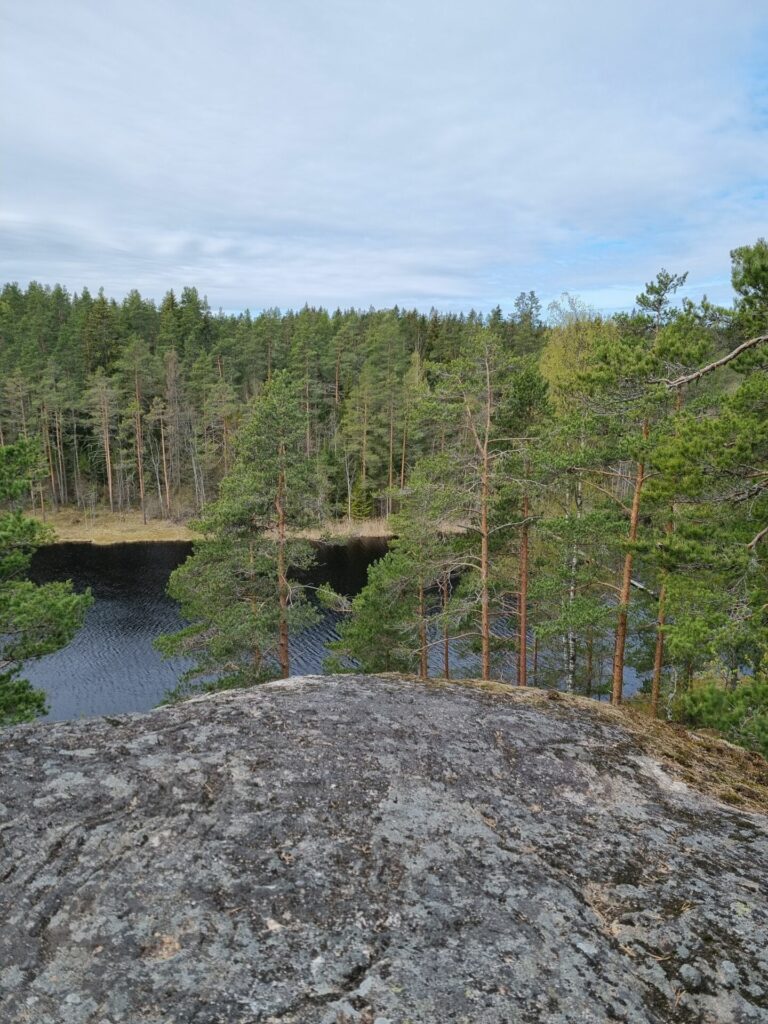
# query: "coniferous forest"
{"points": [[571, 495]]}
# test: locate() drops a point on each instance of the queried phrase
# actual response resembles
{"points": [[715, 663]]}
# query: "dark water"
{"points": [[111, 665]]}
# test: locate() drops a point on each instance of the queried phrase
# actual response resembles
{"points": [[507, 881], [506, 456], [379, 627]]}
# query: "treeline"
{"points": [[136, 406], [568, 499]]}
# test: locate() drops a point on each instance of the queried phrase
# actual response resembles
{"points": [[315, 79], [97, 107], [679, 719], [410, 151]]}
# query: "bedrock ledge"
{"points": [[339, 849]]}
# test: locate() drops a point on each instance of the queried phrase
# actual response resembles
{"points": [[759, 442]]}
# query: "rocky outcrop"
{"points": [[339, 849]]}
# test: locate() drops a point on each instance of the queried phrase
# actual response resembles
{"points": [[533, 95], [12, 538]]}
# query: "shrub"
{"points": [[740, 714]]}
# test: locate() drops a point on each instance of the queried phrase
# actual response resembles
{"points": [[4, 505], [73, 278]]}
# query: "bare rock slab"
{"points": [[373, 850]]}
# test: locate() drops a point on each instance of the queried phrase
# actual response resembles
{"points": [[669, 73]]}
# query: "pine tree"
{"points": [[138, 378], [101, 403], [34, 620], [239, 588]]}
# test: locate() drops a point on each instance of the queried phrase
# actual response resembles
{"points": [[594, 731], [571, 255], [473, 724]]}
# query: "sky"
{"points": [[378, 152]]}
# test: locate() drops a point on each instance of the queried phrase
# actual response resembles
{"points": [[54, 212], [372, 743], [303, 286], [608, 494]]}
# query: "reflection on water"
{"points": [[111, 665]]}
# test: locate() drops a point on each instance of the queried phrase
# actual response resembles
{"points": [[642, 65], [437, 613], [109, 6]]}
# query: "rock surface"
{"points": [[373, 850]]}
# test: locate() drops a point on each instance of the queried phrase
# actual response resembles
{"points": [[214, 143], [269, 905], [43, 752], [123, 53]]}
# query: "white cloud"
{"points": [[414, 152]]}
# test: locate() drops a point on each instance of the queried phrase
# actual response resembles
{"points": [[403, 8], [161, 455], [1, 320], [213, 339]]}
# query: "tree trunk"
{"points": [[485, 559], [364, 444], [658, 657], [391, 467], [256, 654], [423, 648], [49, 456], [570, 639], [139, 440], [174, 435], [485, 610], [225, 442], [444, 585], [348, 478], [522, 671], [76, 461], [61, 464], [138, 435], [308, 413], [166, 480], [107, 449], [403, 453], [283, 648], [154, 457], [197, 471], [626, 585]]}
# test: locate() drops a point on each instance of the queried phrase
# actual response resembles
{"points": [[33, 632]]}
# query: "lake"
{"points": [[111, 666]]}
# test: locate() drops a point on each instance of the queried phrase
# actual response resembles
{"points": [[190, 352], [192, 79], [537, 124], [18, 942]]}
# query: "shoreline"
{"points": [[101, 527]]}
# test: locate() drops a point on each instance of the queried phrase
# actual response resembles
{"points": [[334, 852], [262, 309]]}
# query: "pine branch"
{"points": [[688, 378], [519, 522], [646, 590], [756, 540]]}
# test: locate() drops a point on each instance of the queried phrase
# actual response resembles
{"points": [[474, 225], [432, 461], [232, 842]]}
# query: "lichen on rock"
{"points": [[371, 849]]}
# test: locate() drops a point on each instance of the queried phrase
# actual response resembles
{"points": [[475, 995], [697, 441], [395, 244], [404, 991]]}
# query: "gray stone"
{"points": [[370, 849], [691, 977]]}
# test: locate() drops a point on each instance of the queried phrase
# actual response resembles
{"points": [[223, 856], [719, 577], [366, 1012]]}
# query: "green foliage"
{"points": [[152, 396], [749, 275], [238, 589], [380, 634], [741, 714], [34, 620], [655, 300]]}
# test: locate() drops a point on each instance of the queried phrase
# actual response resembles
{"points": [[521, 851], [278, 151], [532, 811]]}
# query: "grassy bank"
{"points": [[348, 529], [104, 527]]}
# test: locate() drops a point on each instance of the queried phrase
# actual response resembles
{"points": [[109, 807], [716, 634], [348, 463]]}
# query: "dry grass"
{"points": [[102, 527], [704, 760], [701, 759], [347, 529], [350, 529]]}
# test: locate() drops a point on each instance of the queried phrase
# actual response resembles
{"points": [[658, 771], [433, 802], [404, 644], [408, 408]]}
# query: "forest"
{"points": [[571, 495]]}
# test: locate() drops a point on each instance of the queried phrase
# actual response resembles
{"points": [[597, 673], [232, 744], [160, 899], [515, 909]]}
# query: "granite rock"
{"points": [[329, 850]]}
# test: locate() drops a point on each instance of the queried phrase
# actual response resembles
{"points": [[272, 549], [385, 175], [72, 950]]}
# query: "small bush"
{"points": [[741, 715]]}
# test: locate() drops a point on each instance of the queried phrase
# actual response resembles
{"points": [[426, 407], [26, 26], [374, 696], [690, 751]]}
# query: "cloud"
{"points": [[347, 154]]}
